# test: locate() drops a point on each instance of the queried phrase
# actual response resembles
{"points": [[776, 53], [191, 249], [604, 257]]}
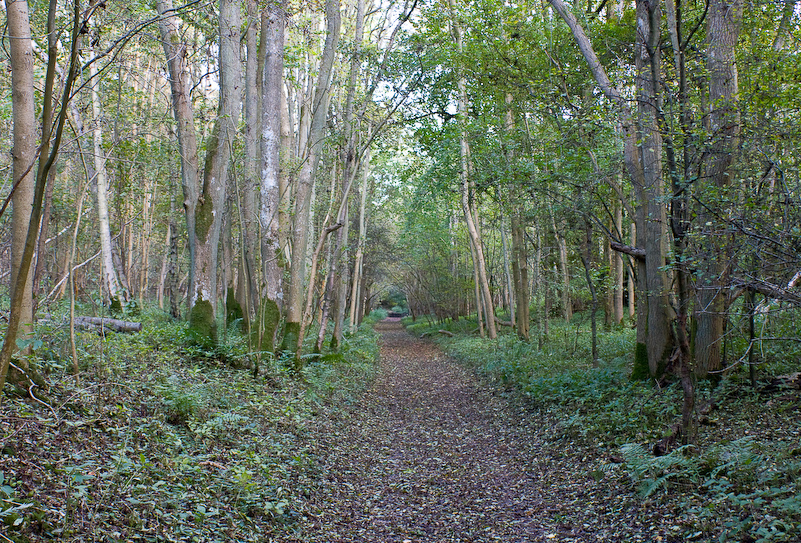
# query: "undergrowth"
{"points": [[157, 441], [737, 484]]}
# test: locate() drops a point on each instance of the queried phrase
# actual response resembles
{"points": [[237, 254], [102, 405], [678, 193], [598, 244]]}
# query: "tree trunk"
{"points": [[723, 29], [203, 204], [23, 156], [116, 296], [586, 260], [642, 152], [22, 96], [211, 199], [660, 341], [358, 265], [271, 303], [247, 284], [617, 269], [305, 182], [351, 164], [520, 272], [176, 54], [469, 206]]}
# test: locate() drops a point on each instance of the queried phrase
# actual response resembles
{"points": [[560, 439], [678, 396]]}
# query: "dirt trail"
{"points": [[428, 455]]}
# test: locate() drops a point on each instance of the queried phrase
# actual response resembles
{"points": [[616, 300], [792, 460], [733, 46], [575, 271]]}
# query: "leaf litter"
{"points": [[430, 453]]}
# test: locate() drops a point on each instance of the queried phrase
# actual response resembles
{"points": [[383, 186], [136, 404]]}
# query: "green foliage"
{"points": [[171, 441], [729, 477], [375, 316], [739, 483]]}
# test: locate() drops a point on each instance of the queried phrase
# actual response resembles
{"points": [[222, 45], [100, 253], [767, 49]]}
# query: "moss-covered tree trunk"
{"points": [[642, 155], [204, 203], [269, 316], [211, 201], [303, 192]]}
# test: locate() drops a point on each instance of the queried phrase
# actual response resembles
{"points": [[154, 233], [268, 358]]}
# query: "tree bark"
{"points": [[350, 166], [247, 284], [176, 53], [469, 207], [272, 293], [723, 29], [116, 296], [520, 272], [305, 182], [18, 24], [23, 154], [642, 148]]}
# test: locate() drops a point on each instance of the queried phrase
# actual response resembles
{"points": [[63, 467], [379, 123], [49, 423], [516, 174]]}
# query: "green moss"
{"points": [[290, 342], [268, 318], [641, 371], [203, 218], [115, 306], [233, 309], [203, 324]]}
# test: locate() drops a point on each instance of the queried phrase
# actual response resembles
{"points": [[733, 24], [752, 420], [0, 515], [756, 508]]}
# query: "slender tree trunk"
{"points": [[522, 289], [586, 260], [356, 280], [351, 164], [176, 53], [564, 270], [509, 298], [305, 183], [247, 285], [116, 296], [271, 304], [163, 274], [617, 269], [467, 194], [18, 28]]}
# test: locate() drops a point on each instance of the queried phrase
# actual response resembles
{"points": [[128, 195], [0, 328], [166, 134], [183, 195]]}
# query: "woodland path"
{"points": [[430, 454]]}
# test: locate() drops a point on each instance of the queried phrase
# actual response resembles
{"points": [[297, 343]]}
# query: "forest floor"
{"points": [[430, 453]]}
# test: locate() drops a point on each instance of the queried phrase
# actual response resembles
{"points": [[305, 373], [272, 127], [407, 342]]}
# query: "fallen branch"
{"points": [[102, 323], [636, 252], [446, 333], [503, 323], [771, 291]]}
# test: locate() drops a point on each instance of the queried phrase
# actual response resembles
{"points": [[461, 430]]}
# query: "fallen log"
{"points": [[446, 333], [503, 323], [105, 323]]}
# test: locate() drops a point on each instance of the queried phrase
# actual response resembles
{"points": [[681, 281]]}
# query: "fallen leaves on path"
{"points": [[432, 454]]}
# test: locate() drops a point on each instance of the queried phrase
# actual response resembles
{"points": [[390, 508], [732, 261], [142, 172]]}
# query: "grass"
{"points": [[157, 441], [738, 483]]}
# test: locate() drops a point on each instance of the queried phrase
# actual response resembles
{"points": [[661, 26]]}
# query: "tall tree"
{"points": [[273, 23], [722, 31], [642, 152], [468, 196], [204, 202], [312, 149], [116, 295]]}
